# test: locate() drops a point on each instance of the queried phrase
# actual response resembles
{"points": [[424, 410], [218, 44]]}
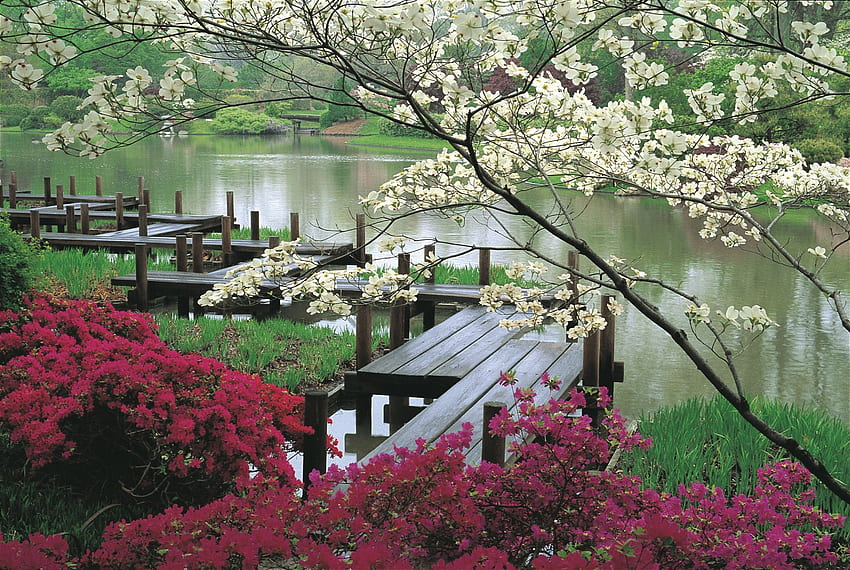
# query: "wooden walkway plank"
{"points": [[467, 348], [156, 229], [464, 401], [431, 337]]}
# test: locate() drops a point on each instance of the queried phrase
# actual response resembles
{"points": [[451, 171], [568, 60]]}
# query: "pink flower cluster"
{"points": [[86, 389], [557, 506]]}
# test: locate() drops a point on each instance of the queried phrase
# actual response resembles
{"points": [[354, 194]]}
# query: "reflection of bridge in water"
{"points": [[298, 119]]}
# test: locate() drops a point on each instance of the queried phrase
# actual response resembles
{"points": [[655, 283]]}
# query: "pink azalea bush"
{"points": [[557, 506], [85, 390]]}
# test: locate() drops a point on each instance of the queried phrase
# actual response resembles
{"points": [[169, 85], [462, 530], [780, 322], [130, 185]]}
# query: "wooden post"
{"points": [[399, 313], [140, 191], [274, 302], [72, 185], [47, 197], [98, 186], [119, 210], [70, 219], [2, 197], [606, 347], [294, 226], [315, 445], [141, 277], [429, 310], [147, 201], [231, 209], [590, 375], [198, 252], [255, 225], [363, 350], [84, 219], [178, 202], [143, 220], [492, 446], [181, 256], [226, 243], [60, 197], [399, 331], [484, 266], [363, 335], [35, 223], [361, 240]]}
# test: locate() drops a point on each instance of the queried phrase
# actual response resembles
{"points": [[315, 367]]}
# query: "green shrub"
{"points": [[17, 262], [243, 122], [820, 150], [35, 119], [65, 107], [277, 109], [392, 129], [12, 115]]}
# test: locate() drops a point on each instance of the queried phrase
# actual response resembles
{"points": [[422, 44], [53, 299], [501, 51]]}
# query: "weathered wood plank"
{"points": [[428, 338], [158, 229], [463, 402]]}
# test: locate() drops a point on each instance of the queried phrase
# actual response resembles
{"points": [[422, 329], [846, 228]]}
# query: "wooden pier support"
{"points": [[226, 242], [70, 219], [142, 302], [492, 446], [360, 240], [590, 376], [72, 185], [143, 220], [119, 210], [60, 197], [294, 226], [35, 223], [178, 201], [198, 252], [255, 225], [315, 445], [484, 266], [98, 186], [429, 310], [182, 261], [84, 219], [47, 197], [231, 210]]}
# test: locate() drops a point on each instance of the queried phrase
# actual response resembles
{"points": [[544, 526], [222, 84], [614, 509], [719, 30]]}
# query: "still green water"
{"points": [[805, 360]]}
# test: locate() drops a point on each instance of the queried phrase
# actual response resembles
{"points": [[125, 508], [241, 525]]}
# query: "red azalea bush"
{"points": [[91, 390], [556, 507], [84, 389]]}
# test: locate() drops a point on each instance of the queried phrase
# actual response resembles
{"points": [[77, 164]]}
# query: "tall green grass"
{"points": [[245, 233], [83, 272], [707, 441], [282, 352]]}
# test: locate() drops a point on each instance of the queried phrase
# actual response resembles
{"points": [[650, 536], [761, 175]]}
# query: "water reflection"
{"points": [[805, 360]]}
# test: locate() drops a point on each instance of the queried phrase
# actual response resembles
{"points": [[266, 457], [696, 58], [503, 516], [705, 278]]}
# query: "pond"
{"points": [[806, 360]]}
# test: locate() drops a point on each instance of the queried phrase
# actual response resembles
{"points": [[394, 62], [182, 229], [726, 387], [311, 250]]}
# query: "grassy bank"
{"points": [[706, 440]]}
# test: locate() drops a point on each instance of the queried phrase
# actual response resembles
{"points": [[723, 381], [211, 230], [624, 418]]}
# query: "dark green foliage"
{"points": [[342, 109], [277, 109], [243, 122], [36, 119], [65, 107], [70, 80], [12, 115], [17, 259], [392, 129], [820, 150]]}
